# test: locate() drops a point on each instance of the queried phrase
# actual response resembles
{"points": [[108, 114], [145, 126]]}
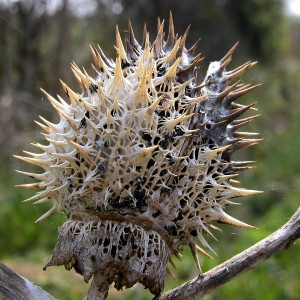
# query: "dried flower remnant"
{"points": [[140, 161]]}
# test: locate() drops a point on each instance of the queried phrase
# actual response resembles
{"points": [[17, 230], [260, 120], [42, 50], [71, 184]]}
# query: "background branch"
{"points": [[203, 284], [15, 286]]}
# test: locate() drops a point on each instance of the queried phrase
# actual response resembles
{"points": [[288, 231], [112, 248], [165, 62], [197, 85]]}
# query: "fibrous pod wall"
{"points": [[140, 161]]}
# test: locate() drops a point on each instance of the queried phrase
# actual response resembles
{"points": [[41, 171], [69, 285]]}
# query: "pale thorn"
{"points": [[147, 112], [233, 74], [150, 74], [42, 194], [171, 102], [198, 89], [47, 214], [236, 112], [198, 99], [142, 155], [241, 122], [57, 105], [64, 103], [215, 227], [229, 53], [35, 197], [193, 248], [145, 32], [206, 230], [142, 98], [176, 159], [127, 134], [253, 63], [171, 33], [171, 57], [132, 39], [95, 70], [189, 132], [84, 77], [118, 79], [172, 71], [246, 64], [50, 125], [110, 121], [193, 48], [242, 135], [181, 87], [70, 156], [105, 102], [227, 219], [242, 163], [237, 181], [92, 175], [108, 61], [239, 192], [227, 91], [178, 254], [43, 200], [243, 86], [242, 91], [130, 193], [170, 124], [183, 40], [202, 251], [56, 142], [45, 148], [72, 122], [88, 106], [44, 127], [244, 143], [36, 185], [159, 24], [225, 63], [99, 60], [246, 86], [171, 273], [146, 54], [62, 165], [209, 154], [196, 60], [157, 44], [205, 244], [83, 150], [116, 103], [89, 80], [35, 161], [140, 69], [226, 177], [78, 74], [61, 187], [63, 114], [38, 176], [172, 263], [120, 46]]}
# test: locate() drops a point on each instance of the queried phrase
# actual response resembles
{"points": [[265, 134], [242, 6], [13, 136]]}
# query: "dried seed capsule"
{"points": [[141, 162]]}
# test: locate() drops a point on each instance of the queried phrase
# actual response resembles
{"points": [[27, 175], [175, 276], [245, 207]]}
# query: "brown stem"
{"points": [[99, 288], [202, 285]]}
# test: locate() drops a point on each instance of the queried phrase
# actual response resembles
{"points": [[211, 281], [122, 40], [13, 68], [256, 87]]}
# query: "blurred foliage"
{"points": [[37, 44]]}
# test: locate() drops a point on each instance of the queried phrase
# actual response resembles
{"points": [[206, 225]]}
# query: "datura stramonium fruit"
{"points": [[140, 161]]}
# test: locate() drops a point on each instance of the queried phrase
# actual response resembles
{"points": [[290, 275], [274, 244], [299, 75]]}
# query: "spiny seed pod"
{"points": [[140, 161]]}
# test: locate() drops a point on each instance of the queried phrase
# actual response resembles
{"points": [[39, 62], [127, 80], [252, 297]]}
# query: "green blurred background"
{"points": [[38, 41]]}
